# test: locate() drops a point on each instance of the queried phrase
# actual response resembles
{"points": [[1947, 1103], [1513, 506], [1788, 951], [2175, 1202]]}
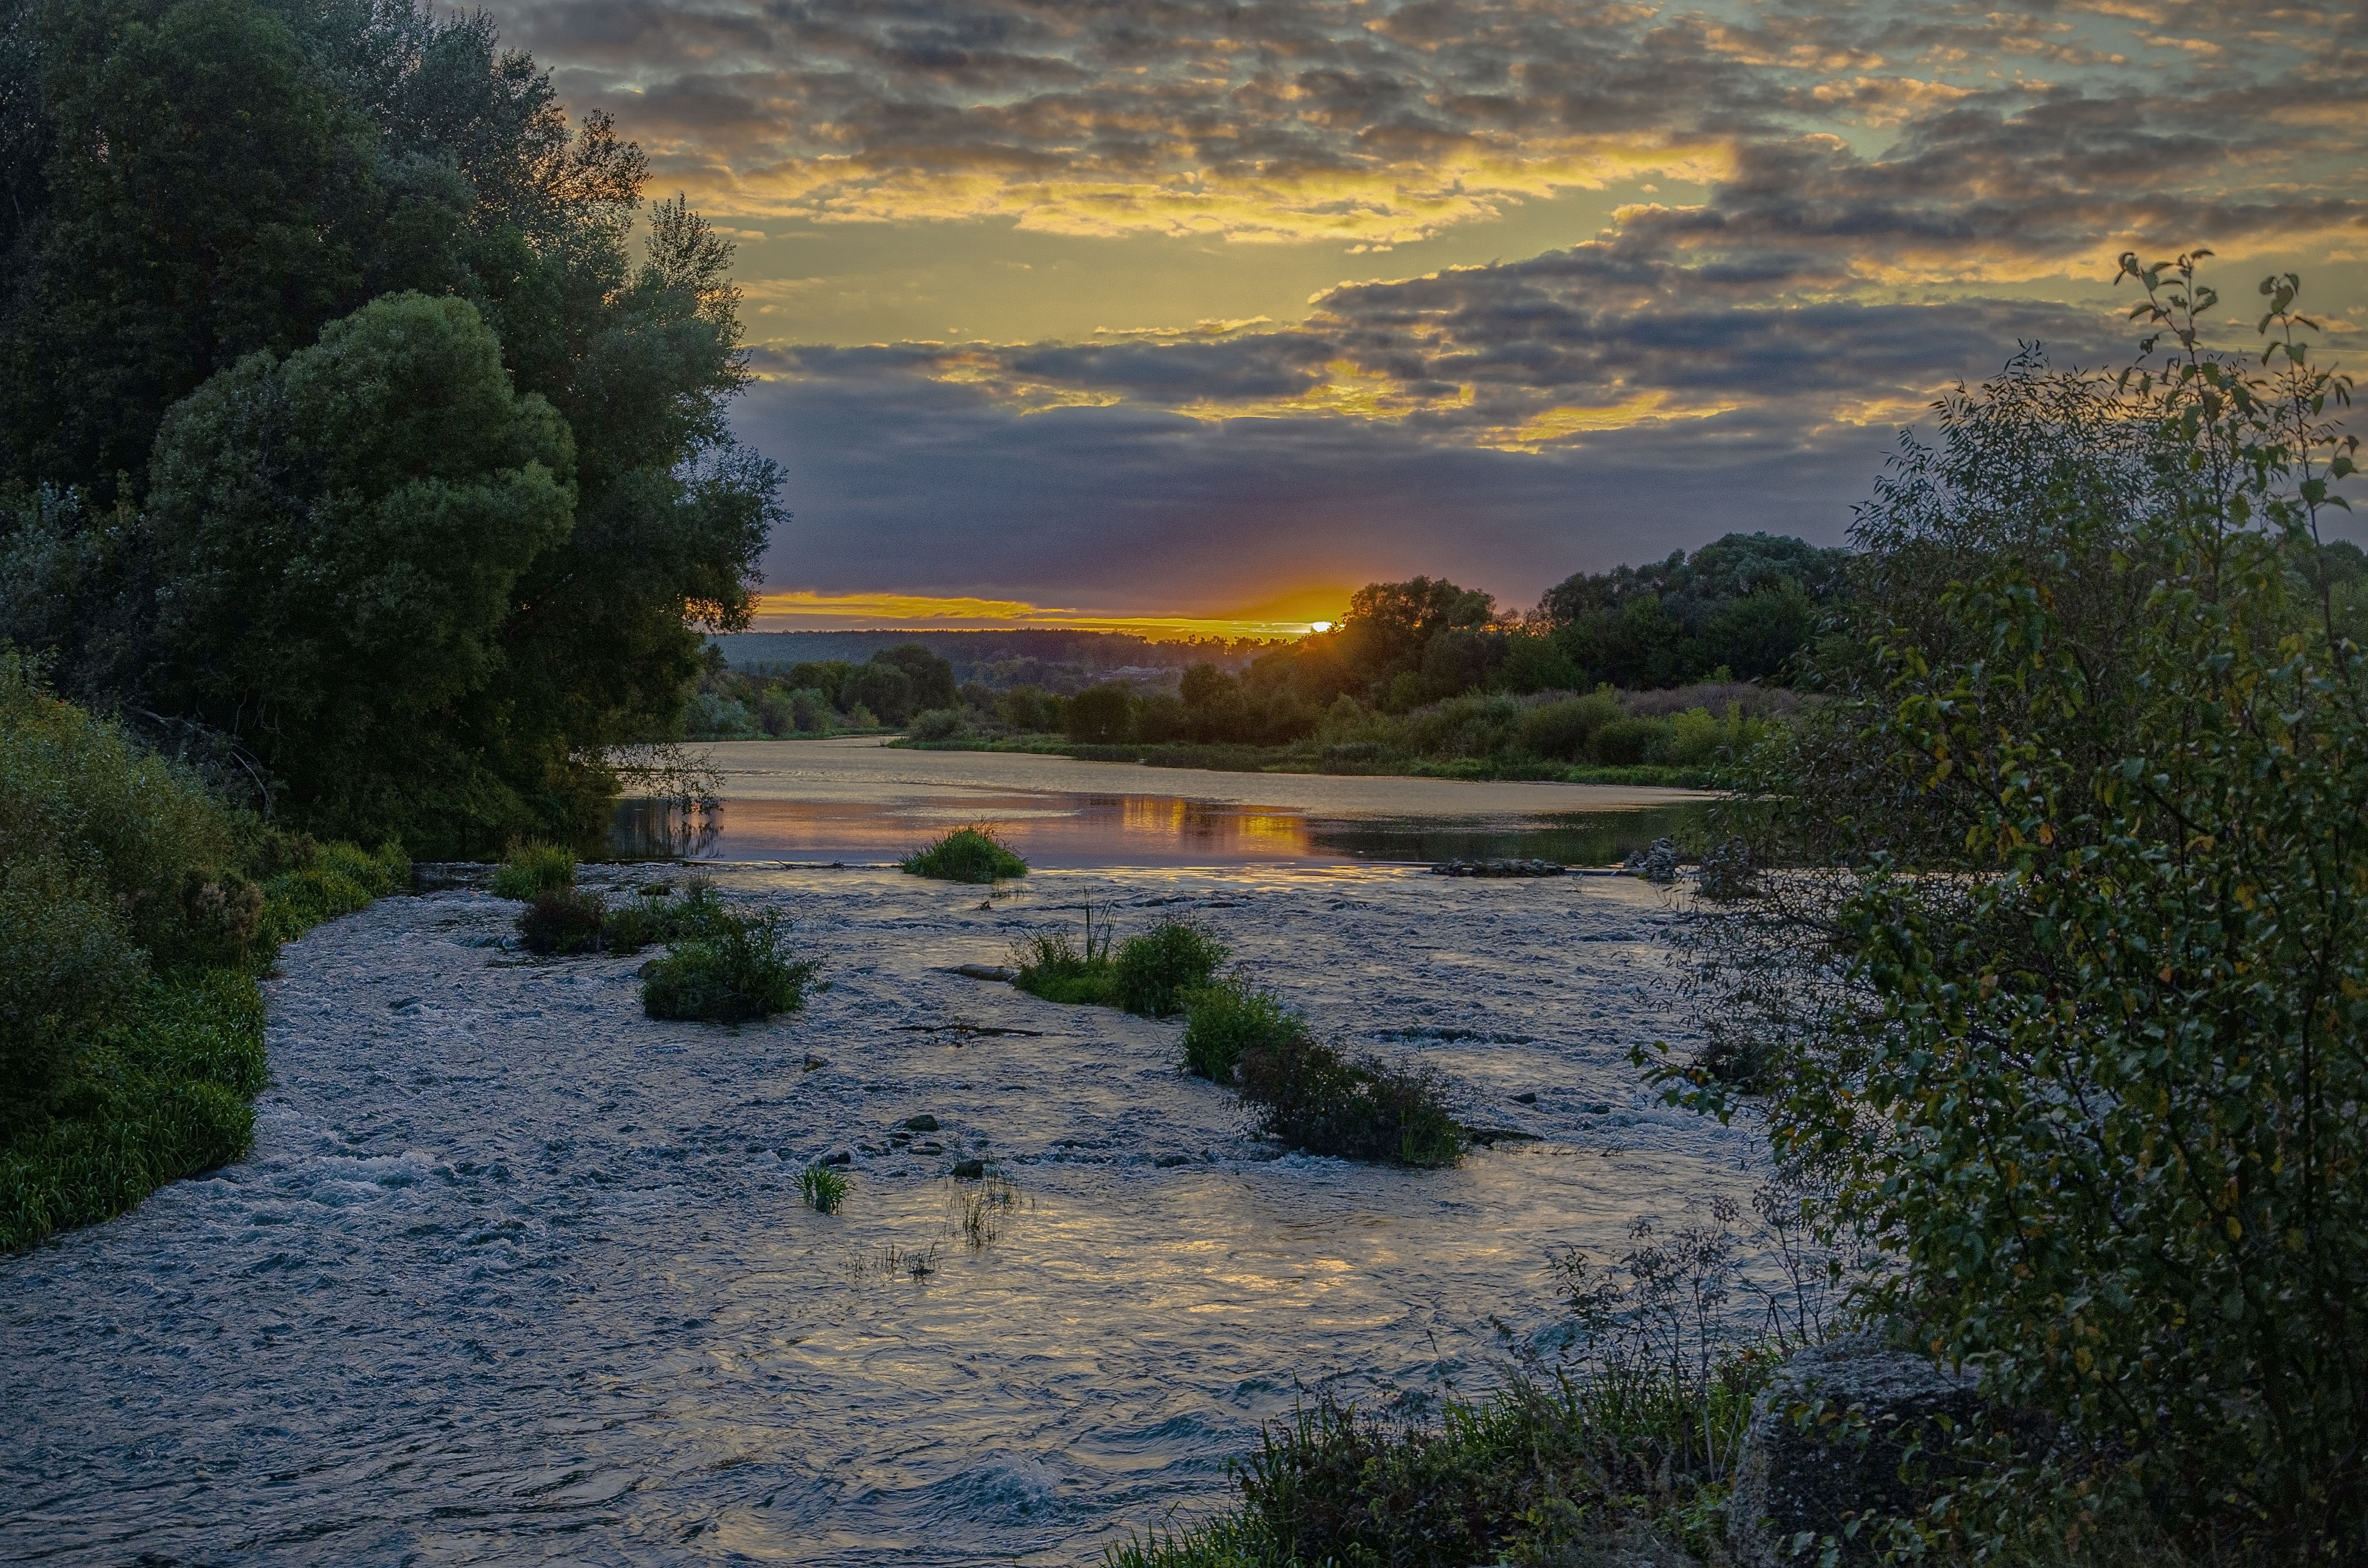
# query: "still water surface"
{"points": [[859, 801], [516, 1275]]}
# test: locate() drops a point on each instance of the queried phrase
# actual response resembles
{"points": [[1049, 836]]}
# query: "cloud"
{"points": [[1374, 122]]}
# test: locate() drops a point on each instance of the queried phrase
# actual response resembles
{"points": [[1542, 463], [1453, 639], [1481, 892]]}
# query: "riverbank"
{"points": [[512, 1264], [1310, 758]]}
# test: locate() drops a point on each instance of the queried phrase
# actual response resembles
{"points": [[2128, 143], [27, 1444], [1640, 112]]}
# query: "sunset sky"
{"points": [[1171, 311]]}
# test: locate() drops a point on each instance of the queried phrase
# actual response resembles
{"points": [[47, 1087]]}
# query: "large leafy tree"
{"points": [[190, 183]]}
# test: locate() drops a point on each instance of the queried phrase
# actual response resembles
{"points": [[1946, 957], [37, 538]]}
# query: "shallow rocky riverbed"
{"points": [[515, 1274]]}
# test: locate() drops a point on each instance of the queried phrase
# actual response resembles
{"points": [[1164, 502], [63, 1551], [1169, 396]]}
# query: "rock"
{"points": [[928, 1148], [1527, 1097], [983, 970], [1170, 1161], [838, 1157], [1656, 864], [970, 1170], [814, 1063], [1498, 869], [1800, 1475], [923, 1123]]}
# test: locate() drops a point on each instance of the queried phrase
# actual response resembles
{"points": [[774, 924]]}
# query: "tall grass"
{"points": [[1156, 969], [1050, 965], [531, 867], [823, 1188], [966, 855]]}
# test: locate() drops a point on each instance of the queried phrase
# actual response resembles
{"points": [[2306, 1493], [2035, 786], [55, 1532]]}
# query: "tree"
{"points": [[2069, 988], [361, 508]]}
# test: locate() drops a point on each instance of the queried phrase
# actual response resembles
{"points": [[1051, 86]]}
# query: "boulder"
{"points": [[1657, 863], [922, 1123], [1803, 1473], [970, 1170]]}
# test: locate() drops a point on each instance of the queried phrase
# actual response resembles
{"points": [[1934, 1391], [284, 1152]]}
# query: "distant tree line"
{"points": [[347, 451]]}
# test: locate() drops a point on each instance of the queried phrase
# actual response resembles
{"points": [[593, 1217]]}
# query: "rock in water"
{"points": [[1656, 864], [1800, 1475]]}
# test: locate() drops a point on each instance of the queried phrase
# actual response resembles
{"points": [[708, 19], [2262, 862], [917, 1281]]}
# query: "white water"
{"points": [[516, 1275]]}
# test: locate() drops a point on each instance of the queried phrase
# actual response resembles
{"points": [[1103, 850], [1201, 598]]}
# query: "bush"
{"points": [[531, 867], [331, 880], [737, 967], [965, 854], [1562, 730], [1227, 1017], [936, 725], [1101, 713], [560, 920], [1314, 1098], [1623, 743], [1051, 966], [2070, 975], [1153, 970]]}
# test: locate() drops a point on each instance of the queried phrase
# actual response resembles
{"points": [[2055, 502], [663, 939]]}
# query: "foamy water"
{"points": [[515, 1274]]}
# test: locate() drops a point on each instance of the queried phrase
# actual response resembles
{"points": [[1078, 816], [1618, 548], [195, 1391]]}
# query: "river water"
{"points": [[515, 1274]]}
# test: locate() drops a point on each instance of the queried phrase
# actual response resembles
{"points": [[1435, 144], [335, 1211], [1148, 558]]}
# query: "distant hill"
{"points": [[1092, 650]]}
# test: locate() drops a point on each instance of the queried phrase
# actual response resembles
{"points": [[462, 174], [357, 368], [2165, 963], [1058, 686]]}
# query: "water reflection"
{"points": [[1078, 831]]}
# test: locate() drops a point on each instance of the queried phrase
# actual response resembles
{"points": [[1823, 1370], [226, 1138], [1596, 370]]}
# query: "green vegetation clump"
{"points": [[736, 967], [1229, 1017], [1154, 971], [562, 920], [1048, 964], [135, 911], [966, 855], [531, 867], [1314, 1099], [906, 684], [823, 1188]]}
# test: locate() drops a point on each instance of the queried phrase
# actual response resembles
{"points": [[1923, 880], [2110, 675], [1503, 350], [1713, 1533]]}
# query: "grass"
{"points": [[1317, 1100], [1604, 1466], [1150, 973], [531, 867], [736, 967], [1227, 1017], [562, 920], [966, 855], [980, 1207], [823, 1188]]}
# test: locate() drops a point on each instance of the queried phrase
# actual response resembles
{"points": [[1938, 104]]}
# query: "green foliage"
{"points": [[533, 866], [441, 484], [2074, 1036], [1578, 1469], [1314, 1099], [1748, 604], [131, 927], [560, 920], [1563, 729], [966, 855], [906, 684], [1154, 971], [823, 1188], [1101, 713], [735, 969], [1227, 1017], [1048, 964]]}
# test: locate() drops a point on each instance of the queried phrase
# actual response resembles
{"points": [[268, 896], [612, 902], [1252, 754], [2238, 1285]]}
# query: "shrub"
{"points": [[966, 855], [809, 711], [1314, 1099], [1623, 743], [936, 725], [560, 920], [823, 1188], [531, 867], [1696, 738], [1227, 1017], [1562, 730], [330, 882], [1101, 713], [736, 967], [1154, 970]]}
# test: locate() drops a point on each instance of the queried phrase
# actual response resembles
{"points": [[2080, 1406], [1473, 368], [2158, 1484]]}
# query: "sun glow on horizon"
{"points": [[803, 609]]}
